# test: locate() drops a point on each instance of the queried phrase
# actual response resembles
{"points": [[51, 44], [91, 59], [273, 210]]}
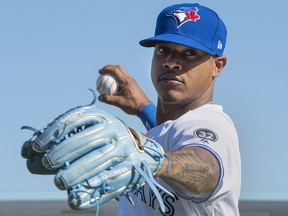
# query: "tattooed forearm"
{"points": [[195, 174], [193, 170]]}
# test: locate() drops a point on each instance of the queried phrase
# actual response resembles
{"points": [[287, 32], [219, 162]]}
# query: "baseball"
{"points": [[107, 84]]}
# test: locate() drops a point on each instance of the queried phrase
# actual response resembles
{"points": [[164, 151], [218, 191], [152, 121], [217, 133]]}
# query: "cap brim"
{"points": [[178, 39]]}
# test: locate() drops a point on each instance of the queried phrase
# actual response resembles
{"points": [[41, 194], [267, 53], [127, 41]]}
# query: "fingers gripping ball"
{"points": [[96, 157], [107, 84]]}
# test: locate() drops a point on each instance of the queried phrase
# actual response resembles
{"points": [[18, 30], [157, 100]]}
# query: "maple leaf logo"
{"points": [[192, 15]]}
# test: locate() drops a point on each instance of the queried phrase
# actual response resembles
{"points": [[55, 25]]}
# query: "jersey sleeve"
{"points": [[219, 137]]}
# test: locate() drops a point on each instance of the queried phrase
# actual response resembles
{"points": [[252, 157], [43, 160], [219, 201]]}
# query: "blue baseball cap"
{"points": [[191, 25]]}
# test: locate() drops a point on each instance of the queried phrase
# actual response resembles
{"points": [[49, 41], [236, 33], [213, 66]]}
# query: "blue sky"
{"points": [[50, 52]]}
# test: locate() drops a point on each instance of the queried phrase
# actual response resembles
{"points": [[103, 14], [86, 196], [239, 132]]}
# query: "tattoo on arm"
{"points": [[193, 170], [195, 174]]}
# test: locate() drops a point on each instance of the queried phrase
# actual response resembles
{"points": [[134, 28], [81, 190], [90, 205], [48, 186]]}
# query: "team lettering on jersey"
{"points": [[148, 197]]}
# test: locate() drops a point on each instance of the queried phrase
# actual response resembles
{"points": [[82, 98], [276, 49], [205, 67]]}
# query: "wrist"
{"points": [[165, 168], [147, 114]]}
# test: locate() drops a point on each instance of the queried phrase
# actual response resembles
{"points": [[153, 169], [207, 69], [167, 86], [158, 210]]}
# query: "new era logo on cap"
{"points": [[191, 25]]}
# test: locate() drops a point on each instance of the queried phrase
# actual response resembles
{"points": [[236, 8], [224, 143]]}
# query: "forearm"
{"points": [[193, 171]]}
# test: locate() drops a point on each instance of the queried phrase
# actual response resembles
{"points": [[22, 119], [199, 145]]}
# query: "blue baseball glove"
{"points": [[94, 156]]}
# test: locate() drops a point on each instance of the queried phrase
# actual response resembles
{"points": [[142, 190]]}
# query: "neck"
{"points": [[172, 111]]}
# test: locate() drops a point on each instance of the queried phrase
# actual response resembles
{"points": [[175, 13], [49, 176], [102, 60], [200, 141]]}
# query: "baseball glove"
{"points": [[95, 157]]}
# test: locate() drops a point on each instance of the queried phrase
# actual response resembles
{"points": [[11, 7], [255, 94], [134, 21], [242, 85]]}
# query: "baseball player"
{"points": [[198, 136], [188, 163]]}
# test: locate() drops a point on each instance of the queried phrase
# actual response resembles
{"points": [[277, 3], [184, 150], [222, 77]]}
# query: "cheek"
{"points": [[153, 79], [200, 80], [154, 74]]}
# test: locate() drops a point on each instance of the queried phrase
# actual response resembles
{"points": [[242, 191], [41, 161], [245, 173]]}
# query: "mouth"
{"points": [[170, 79]]}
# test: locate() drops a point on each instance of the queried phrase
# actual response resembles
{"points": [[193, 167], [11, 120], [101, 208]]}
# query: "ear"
{"points": [[220, 63]]}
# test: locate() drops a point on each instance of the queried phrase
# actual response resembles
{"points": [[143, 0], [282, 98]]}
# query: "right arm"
{"points": [[130, 98]]}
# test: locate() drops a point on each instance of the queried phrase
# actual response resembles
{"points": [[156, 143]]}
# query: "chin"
{"points": [[168, 99]]}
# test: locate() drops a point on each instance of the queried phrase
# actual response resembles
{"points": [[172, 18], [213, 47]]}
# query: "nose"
{"points": [[172, 63]]}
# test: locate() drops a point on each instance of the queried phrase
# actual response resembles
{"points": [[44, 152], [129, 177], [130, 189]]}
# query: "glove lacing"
{"points": [[144, 171]]}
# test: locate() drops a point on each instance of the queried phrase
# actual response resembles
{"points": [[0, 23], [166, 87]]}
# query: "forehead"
{"points": [[176, 46]]}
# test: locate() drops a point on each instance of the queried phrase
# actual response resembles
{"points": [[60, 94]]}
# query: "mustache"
{"points": [[170, 75]]}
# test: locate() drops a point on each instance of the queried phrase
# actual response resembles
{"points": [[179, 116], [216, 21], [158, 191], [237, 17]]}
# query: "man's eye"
{"points": [[162, 49], [190, 53]]}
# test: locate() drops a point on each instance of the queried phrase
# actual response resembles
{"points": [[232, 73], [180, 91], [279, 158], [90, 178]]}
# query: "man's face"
{"points": [[181, 74]]}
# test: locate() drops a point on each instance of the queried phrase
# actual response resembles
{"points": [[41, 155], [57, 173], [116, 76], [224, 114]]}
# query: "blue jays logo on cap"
{"points": [[191, 25], [183, 15]]}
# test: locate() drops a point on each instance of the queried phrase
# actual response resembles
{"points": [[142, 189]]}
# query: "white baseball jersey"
{"points": [[207, 127]]}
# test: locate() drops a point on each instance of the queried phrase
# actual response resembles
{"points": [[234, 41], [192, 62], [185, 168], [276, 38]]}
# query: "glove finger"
{"points": [[35, 166], [87, 166], [67, 124], [103, 187], [80, 144], [26, 150], [34, 160]]}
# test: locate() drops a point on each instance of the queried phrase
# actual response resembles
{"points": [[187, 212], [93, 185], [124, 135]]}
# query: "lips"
{"points": [[169, 78]]}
